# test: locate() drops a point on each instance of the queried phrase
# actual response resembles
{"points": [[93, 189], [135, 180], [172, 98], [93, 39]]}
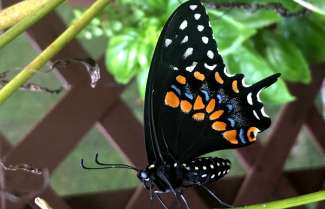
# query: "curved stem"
{"points": [[51, 50], [40, 10], [289, 202]]}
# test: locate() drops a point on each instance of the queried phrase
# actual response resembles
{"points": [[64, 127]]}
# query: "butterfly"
{"points": [[193, 106]]}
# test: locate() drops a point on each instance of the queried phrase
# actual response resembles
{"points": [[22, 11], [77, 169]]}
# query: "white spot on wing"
{"points": [[258, 96], [168, 42], [192, 67], [185, 39], [249, 98], [175, 68], [204, 167], [244, 83], [210, 67], [183, 25], [226, 72], [196, 168], [205, 39], [188, 52], [197, 16], [210, 54], [193, 7], [212, 176], [204, 175], [200, 28], [256, 115], [264, 113], [175, 165], [211, 166], [219, 173]]}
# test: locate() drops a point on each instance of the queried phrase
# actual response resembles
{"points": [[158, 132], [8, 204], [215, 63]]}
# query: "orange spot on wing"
{"points": [[216, 114], [231, 136], [171, 99], [252, 133], [198, 104], [199, 76], [219, 126], [181, 79], [186, 106], [218, 78], [235, 86], [198, 116], [211, 105]]}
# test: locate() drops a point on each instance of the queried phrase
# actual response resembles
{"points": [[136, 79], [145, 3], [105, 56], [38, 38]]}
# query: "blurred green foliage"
{"points": [[256, 44]]}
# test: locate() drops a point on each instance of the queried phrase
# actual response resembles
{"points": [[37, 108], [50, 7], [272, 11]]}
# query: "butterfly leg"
{"points": [[215, 197], [184, 200], [150, 197], [156, 194]]}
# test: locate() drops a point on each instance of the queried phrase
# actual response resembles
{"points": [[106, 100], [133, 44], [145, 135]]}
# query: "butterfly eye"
{"points": [[252, 133]]}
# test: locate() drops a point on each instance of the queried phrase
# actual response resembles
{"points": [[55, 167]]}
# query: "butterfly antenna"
{"points": [[106, 165]]}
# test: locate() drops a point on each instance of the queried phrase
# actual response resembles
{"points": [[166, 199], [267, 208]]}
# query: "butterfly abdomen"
{"points": [[204, 170]]}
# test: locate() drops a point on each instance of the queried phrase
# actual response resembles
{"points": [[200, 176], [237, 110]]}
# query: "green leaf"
{"points": [[121, 56], [308, 35], [229, 32], [254, 67], [285, 57], [142, 82]]}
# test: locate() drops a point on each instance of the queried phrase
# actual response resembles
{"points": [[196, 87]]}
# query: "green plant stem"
{"points": [[20, 27], [13, 14], [42, 203], [289, 202], [51, 50]]}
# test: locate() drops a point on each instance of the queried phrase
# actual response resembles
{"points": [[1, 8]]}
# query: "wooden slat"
{"points": [[128, 136], [100, 200], [314, 123], [248, 156], [268, 167], [5, 146]]}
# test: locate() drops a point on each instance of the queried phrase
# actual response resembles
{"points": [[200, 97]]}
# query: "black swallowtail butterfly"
{"points": [[193, 106]]}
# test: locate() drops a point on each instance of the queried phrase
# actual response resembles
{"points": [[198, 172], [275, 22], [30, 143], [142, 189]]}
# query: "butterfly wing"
{"points": [[193, 106]]}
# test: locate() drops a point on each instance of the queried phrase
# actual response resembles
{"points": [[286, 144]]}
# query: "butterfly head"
{"points": [[146, 176]]}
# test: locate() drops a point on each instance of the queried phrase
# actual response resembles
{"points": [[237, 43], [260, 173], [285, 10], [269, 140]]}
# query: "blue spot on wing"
{"points": [[230, 107], [206, 95], [232, 122], [189, 94], [242, 136], [176, 89]]}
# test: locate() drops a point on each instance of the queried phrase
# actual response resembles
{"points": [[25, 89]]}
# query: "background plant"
{"points": [[256, 43]]}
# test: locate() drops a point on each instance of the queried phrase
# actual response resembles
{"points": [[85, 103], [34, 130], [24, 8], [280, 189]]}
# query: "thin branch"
{"points": [[52, 50], [289, 202], [24, 24], [277, 7]]}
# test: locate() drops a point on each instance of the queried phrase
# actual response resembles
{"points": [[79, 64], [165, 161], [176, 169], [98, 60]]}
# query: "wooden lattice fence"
{"points": [[63, 127]]}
